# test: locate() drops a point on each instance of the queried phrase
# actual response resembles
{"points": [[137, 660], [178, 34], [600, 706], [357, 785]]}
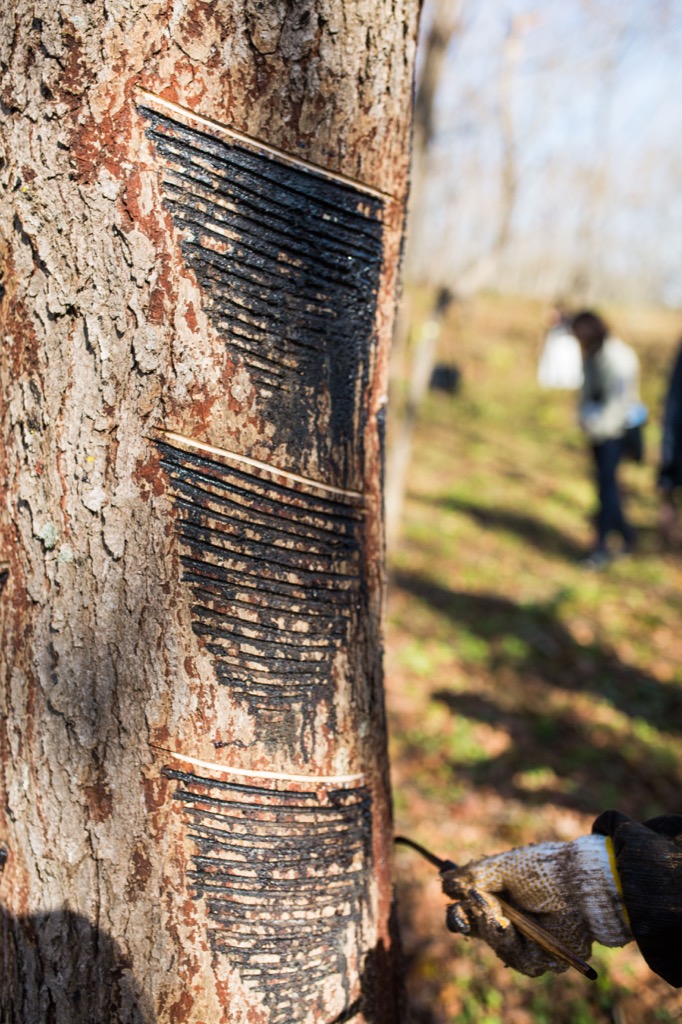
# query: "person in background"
{"points": [[621, 883], [670, 470], [610, 391]]}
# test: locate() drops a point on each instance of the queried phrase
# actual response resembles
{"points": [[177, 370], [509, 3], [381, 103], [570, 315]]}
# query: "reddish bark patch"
{"points": [[191, 317], [131, 214], [179, 1010], [148, 477], [203, 20], [155, 790], [156, 311], [157, 226], [100, 801], [105, 143], [201, 414], [20, 345], [139, 875], [70, 86]]}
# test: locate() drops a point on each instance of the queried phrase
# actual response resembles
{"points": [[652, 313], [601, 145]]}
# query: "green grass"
{"points": [[525, 694]]}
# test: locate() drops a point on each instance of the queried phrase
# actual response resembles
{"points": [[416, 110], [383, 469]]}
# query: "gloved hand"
{"points": [[572, 889]]}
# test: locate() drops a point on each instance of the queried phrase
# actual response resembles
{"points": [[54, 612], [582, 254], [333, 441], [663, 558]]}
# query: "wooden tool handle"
{"points": [[545, 939]]}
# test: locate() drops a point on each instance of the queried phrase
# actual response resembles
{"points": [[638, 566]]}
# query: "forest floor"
{"points": [[525, 693]]}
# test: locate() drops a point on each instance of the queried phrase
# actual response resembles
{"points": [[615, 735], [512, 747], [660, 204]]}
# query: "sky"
{"points": [[593, 89]]}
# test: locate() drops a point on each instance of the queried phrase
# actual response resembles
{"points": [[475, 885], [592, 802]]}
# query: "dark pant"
{"points": [[610, 516]]}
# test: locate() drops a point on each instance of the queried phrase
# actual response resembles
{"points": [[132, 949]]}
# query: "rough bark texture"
{"points": [[198, 241]]}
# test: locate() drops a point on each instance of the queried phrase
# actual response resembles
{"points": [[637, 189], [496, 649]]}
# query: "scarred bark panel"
{"points": [[282, 872], [288, 264], [276, 585]]}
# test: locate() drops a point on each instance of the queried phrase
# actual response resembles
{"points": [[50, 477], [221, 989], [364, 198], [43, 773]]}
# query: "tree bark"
{"points": [[199, 246]]}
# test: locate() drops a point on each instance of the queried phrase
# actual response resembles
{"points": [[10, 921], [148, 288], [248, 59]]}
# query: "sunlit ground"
{"points": [[525, 693]]}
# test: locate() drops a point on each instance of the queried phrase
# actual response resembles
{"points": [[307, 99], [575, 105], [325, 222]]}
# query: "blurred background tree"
{"points": [[544, 155]]}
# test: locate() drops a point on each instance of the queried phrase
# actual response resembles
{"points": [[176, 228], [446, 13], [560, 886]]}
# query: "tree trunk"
{"points": [[444, 20], [199, 244]]}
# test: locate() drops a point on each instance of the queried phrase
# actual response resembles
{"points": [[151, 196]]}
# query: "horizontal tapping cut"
{"points": [[307, 818], [154, 102], [285, 514], [267, 617], [221, 843], [296, 560], [289, 594], [176, 442], [275, 577], [222, 834], [282, 878], [270, 225], [237, 523], [273, 603], [291, 638], [354, 780]]}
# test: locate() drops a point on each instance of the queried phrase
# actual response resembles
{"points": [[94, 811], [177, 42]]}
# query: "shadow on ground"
{"points": [[540, 535], [531, 655], [536, 532]]}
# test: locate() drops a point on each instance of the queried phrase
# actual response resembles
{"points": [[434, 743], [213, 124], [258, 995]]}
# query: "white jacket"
{"points": [[610, 390]]}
